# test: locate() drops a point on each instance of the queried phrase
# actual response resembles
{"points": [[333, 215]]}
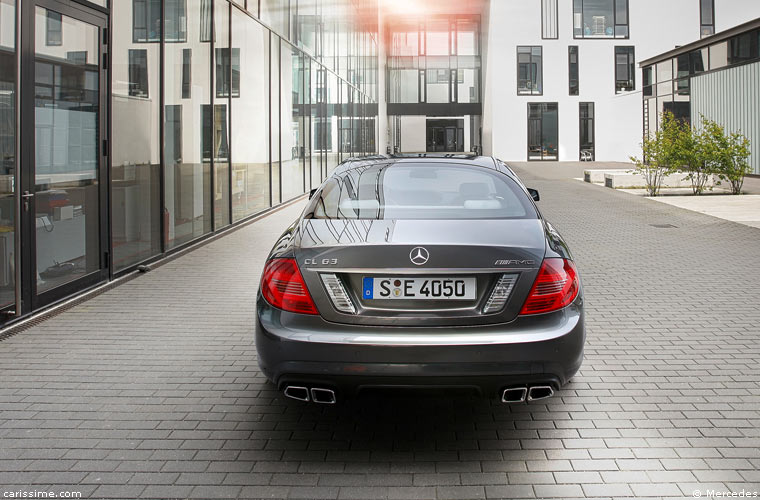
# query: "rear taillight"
{"points": [[556, 286], [282, 286]]}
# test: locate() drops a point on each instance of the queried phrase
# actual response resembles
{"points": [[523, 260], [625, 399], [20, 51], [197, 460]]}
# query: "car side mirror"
{"points": [[534, 194], [312, 193]]}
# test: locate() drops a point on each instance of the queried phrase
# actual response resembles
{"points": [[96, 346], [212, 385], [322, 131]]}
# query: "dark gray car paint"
{"points": [[294, 346]]}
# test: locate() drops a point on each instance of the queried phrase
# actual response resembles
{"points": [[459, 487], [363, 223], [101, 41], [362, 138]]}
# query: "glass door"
{"points": [[64, 192]]}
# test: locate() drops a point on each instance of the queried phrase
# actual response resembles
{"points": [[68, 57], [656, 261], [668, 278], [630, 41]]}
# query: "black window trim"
{"points": [[631, 63], [614, 25], [593, 129], [577, 71], [702, 23], [556, 21], [49, 41], [527, 142], [517, 60]]}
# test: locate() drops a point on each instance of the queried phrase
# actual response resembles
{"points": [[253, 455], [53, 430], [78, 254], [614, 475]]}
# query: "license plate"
{"points": [[419, 288]]}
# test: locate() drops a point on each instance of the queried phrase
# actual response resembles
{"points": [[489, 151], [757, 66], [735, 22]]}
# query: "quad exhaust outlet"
{"points": [[319, 395]]}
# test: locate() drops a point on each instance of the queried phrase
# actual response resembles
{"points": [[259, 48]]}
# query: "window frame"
{"points": [[702, 24], [553, 27], [133, 84], [162, 12], [540, 91], [543, 105], [581, 121], [56, 16], [187, 73], [631, 63], [570, 65], [225, 74], [615, 24]]}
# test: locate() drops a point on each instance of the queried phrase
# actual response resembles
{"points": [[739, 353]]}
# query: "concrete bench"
{"points": [[597, 175], [629, 179]]}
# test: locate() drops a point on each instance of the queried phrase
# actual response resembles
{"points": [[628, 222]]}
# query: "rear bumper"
{"points": [[307, 350]]}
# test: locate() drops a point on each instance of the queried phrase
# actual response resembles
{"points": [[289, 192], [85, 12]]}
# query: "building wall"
{"points": [[731, 97], [655, 26]]}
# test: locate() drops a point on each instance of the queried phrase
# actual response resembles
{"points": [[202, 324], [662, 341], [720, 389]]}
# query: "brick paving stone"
{"points": [[152, 390]]}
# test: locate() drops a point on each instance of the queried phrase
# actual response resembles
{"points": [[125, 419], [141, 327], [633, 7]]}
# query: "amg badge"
{"points": [[514, 262]]}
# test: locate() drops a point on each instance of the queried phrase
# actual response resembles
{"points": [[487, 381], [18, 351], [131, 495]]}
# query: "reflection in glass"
{"points": [[292, 141], [66, 121], [274, 124], [216, 123], [135, 162], [331, 128], [187, 172], [250, 119], [275, 14], [7, 150]]}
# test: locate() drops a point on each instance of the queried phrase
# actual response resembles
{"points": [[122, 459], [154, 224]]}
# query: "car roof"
{"points": [[459, 159]]}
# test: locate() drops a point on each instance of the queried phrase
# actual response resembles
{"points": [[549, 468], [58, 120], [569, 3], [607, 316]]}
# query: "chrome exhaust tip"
{"points": [[323, 396], [514, 395], [540, 392], [295, 392]]}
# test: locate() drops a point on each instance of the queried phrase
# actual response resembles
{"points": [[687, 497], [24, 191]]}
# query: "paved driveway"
{"points": [[152, 389]]}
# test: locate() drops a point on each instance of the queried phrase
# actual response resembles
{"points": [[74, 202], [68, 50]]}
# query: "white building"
{"points": [[530, 109]]}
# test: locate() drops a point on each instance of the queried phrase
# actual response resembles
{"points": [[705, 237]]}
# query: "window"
{"points": [[206, 30], [77, 56], [586, 128], [572, 68], [529, 71], [176, 20], [138, 73], [549, 23], [648, 80], [228, 72], [53, 29], [146, 20], [706, 17], [625, 73], [173, 133], [744, 48], [412, 191], [187, 74], [214, 136], [600, 18], [543, 131]]}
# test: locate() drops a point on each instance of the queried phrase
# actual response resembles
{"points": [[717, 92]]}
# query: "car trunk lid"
{"points": [[415, 255]]}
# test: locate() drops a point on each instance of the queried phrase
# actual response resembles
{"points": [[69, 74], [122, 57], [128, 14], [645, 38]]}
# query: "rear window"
{"points": [[421, 191]]}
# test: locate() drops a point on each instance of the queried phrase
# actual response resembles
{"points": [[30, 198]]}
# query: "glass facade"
{"points": [[666, 85], [7, 151], [217, 111], [434, 61], [250, 110]]}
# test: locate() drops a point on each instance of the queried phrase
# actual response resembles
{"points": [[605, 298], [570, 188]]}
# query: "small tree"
{"points": [[729, 153], [659, 154], [694, 152]]}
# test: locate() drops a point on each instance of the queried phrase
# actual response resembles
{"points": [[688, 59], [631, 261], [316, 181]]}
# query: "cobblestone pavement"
{"points": [[152, 390]]}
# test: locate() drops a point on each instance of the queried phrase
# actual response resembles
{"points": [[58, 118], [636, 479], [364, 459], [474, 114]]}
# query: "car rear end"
{"points": [[478, 298]]}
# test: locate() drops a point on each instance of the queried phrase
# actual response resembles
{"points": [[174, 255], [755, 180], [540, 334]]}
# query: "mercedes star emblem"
{"points": [[419, 256]]}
